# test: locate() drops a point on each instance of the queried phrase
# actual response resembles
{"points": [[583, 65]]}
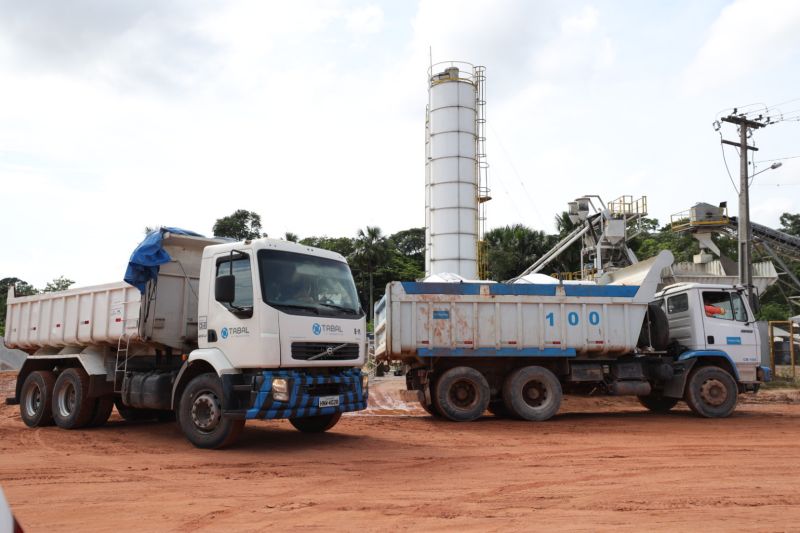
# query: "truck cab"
{"points": [[716, 321]]}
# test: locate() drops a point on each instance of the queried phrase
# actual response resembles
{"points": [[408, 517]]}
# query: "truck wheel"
{"points": [[316, 424], [658, 403], [35, 402], [711, 392], [461, 394], [498, 408], [201, 417], [102, 410], [532, 393], [72, 407]]}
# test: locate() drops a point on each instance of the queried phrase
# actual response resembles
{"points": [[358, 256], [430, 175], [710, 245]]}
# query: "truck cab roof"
{"points": [[680, 287], [266, 243]]}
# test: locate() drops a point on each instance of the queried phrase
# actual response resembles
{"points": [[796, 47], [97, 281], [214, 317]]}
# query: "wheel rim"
{"points": [[535, 393], [713, 392], [33, 400], [67, 398], [206, 411], [463, 394]]}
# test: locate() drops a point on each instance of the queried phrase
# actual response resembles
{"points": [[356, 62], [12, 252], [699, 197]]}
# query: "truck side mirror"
{"points": [[225, 289]]}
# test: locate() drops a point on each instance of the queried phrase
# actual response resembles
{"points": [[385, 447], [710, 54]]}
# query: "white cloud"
{"points": [[749, 38], [367, 19]]}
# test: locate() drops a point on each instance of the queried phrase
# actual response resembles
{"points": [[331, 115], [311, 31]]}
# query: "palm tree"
{"points": [[291, 237], [370, 251]]}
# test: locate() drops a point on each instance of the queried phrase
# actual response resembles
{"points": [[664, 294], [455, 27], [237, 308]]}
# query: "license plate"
{"points": [[329, 401]]}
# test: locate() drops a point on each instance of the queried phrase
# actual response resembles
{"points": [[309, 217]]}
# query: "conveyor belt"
{"points": [[783, 243]]}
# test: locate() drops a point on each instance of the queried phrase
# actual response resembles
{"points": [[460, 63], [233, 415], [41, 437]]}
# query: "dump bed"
{"points": [[419, 320], [165, 314]]}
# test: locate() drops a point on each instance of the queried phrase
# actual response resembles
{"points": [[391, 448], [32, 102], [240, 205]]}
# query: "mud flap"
{"points": [[674, 388]]}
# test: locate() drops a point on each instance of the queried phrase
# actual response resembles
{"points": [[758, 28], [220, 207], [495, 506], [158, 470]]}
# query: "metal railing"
{"points": [[790, 329]]}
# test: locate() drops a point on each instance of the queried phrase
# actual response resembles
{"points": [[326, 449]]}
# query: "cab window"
{"points": [[678, 303], [244, 281], [718, 305], [739, 310]]}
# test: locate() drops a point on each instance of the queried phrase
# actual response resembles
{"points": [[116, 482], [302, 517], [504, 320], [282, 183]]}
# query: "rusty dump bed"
{"points": [[165, 315], [415, 321]]}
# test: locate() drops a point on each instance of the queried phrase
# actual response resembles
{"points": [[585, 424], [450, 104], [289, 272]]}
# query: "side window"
{"points": [[678, 303], [739, 311], [717, 305], [244, 280]]}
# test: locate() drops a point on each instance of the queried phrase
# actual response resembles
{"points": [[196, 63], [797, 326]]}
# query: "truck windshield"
{"points": [[307, 285]]}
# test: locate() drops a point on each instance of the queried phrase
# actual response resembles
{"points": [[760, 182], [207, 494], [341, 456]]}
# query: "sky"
{"points": [[119, 115]]}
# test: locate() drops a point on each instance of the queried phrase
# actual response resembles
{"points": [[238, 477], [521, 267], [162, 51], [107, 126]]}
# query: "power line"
{"points": [[722, 147], [777, 159]]}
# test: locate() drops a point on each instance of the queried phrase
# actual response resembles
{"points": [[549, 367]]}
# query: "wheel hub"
{"points": [[463, 394], [206, 411], [67, 399], [713, 392], [534, 393], [34, 401]]}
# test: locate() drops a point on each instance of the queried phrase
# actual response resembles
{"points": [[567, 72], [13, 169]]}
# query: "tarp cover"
{"points": [[146, 258]]}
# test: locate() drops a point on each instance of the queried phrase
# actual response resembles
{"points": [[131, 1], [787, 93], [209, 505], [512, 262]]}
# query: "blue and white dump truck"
{"points": [[213, 333], [515, 348]]}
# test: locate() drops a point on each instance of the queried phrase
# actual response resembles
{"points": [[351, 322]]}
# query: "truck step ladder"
{"points": [[121, 362]]}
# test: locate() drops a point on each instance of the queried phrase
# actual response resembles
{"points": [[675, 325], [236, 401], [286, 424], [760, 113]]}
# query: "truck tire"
{"points": [[711, 392], [72, 407], [200, 415], [658, 403], [532, 393], [429, 408], [315, 424], [103, 406], [36, 397], [498, 408], [461, 394]]}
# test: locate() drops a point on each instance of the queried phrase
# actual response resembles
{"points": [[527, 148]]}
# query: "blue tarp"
{"points": [[146, 258]]}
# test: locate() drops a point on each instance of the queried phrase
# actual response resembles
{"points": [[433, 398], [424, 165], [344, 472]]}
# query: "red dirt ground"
{"points": [[601, 464]]}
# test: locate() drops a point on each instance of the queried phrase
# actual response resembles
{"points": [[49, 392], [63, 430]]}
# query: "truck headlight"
{"points": [[280, 389], [364, 382]]}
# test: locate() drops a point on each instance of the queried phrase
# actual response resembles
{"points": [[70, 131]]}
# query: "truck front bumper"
{"points": [[251, 396]]}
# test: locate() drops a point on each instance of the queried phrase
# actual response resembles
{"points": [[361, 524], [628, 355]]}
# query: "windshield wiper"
{"points": [[293, 306], [347, 310]]}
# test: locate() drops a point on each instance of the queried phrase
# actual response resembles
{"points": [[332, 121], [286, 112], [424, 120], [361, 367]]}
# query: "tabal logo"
{"points": [[316, 328], [224, 333]]}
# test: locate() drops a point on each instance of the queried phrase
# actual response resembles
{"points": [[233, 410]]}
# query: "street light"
{"points": [[773, 166]]}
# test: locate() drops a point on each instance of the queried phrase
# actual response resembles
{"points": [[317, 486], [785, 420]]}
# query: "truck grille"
{"points": [[307, 350]]}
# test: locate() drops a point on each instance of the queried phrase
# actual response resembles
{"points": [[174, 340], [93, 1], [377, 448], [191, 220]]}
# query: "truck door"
{"points": [[233, 325], [728, 328]]}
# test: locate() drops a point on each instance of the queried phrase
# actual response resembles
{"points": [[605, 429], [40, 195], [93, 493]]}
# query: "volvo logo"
{"points": [[316, 328]]}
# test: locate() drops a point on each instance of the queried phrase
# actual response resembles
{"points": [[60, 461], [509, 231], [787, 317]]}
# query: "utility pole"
{"points": [[745, 229]]}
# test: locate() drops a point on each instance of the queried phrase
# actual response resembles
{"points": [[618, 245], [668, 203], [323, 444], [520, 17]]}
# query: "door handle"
{"points": [[212, 335], [747, 331]]}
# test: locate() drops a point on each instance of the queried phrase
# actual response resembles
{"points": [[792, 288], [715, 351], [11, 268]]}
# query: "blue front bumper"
{"points": [[253, 397], [764, 374]]}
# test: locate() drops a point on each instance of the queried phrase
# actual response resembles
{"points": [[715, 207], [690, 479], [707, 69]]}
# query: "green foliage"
{"points": [[59, 284], [241, 225], [291, 237], [21, 288], [512, 249], [773, 311], [790, 223], [341, 245]]}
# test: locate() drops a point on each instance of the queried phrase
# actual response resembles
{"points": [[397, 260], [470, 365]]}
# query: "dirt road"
{"points": [[600, 464]]}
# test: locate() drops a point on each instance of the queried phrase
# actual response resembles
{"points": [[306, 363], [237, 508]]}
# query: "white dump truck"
{"points": [[211, 332], [515, 348]]}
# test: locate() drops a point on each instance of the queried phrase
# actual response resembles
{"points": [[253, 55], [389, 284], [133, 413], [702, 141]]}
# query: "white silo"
{"points": [[454, 169]]}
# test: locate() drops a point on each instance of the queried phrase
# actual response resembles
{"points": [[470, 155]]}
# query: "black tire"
{"points": [[429, 408], [200, 414], [532, 393], [711, 392], [315, 424], [461, 394], [658, 403], [655, 329], [36, 396], [72, 407], [498, 408], [103, 406]]}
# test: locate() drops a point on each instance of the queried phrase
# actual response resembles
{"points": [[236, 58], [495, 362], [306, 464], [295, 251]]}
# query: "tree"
{"points": [[21, 288], [291, 237], [241, 225], [790, 223], [371, 249], [512, 249], [59, 284]]}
